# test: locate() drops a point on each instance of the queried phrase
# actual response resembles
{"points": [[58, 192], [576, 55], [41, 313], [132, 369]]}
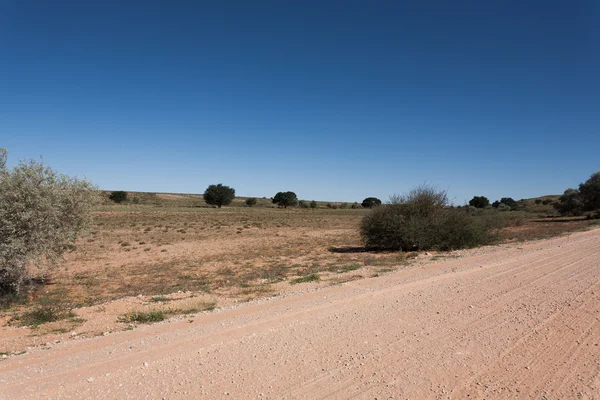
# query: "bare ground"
{"points": [[521, 321]]}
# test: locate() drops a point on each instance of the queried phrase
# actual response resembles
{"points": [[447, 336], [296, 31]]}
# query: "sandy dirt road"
{"points": [[519, 323]]}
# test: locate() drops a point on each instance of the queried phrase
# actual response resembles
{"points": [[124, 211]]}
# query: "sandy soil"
{"points": [[516, 322]]}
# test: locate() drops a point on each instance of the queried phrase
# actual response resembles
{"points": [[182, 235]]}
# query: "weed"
{"points": [[142, 317], [305, 279], [344, 268]]}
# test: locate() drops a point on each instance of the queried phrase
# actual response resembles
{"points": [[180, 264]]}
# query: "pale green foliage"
{"points": [[41, 213]]}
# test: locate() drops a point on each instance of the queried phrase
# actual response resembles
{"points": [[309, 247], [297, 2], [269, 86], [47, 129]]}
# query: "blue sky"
{"points": [[335, 100]]}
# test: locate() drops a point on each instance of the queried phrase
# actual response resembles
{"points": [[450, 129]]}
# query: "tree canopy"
{"points": [[285, 199], [219, 195], [479, 202], [371, 202]]}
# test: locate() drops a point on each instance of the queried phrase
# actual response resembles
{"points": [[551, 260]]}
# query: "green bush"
{"points": [[42, 213], [118, 196], [479, 202], [371, 202], [219, 195], [590, 192], [538, 201], [285, 199], [303, 204], [570, 203], [251, 202], [423, 220], [313, 204], [355, 206], [503, 207]]}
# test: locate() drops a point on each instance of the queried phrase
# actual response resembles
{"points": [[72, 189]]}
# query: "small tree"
{"points": [[219, 195], [285, 199], [42, 212], [118, 196], [371, 202], [355, 206], [479, 202], [313, 204], [509, 201], [570, 203], [590, 192], [303, 204], [250, 202], [538, 201]]}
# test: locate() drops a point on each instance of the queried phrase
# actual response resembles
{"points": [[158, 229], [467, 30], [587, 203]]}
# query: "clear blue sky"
{"points": [[335, 100]]}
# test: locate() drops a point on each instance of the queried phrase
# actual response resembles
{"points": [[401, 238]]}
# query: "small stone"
{"points": [[90, 379], [146, 364], [73, 334]]}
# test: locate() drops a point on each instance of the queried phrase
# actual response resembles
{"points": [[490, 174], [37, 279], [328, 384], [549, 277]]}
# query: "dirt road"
{"points": [[515, 323]]}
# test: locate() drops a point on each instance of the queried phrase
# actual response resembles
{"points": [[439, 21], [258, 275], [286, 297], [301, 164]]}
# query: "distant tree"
{"points": [[355, 206], [313, 204], [479, 202], [42, 212], [285, 199], [118, 196], [496, 204], [219, 195], [509, 202], [251, 202], [570, 203], [371, 202], [590, 192], [538, 201], [303, 204]]}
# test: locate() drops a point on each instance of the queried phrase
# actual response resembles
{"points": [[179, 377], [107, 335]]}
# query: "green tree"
{"points": [[219, 195], [41, 213], [313, 204], [479, 202], [509, 201], [371, 202], [285, 199], [570, 203], [118, 196], [590, 192], [250, 202]]}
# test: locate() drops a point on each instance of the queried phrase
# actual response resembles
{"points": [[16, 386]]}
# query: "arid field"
{"points": [[171, 257]]}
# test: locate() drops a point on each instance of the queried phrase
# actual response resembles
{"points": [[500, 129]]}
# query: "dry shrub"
{"points": [[41, 214], [424, 220]]}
